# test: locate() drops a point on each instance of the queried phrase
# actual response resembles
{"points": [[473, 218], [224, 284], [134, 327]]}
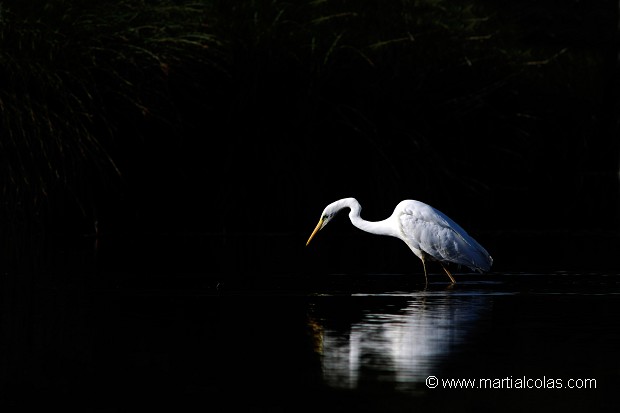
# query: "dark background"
{"points": [[162, 137], [155, 151]]}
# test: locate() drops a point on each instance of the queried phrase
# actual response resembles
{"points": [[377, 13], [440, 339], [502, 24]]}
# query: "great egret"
{"points": [[429, 233]]}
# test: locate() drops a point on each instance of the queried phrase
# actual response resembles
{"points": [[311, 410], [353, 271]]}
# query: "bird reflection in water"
{"points": [[392, 344]]}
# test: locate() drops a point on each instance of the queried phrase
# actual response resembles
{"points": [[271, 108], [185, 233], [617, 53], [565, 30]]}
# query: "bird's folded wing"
{"points": [[437, 235]]}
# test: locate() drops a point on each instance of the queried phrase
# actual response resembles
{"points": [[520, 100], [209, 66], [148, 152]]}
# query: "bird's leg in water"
{"points": [[448, 272]]}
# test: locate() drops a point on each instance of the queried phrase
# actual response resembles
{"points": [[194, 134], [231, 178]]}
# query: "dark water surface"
{"points": [[331, 343]]}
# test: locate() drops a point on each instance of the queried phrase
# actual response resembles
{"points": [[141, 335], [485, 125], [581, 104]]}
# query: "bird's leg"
{"points": [[448, 272], [424, 265]]}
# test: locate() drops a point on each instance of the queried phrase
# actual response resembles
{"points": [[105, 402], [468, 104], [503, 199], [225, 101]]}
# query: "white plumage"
{"points": [[428, 232]]}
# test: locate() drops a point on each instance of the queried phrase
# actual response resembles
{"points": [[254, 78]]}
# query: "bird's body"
{"points": [[428, 232]]}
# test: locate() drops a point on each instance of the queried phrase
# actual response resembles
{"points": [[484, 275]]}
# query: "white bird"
{"points": [[429, 233]]}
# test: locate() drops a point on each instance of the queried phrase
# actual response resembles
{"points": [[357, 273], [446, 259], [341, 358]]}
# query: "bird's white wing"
{"points": [[429, 230]]}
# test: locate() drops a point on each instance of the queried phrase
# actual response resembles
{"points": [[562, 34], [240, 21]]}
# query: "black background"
{"points": [[131, 162]]}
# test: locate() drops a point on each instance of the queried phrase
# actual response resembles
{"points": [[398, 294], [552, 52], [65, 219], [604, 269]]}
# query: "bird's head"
{"points": [[328, 213]]}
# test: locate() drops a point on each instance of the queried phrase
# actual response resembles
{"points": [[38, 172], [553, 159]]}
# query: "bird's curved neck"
{"points": [[378, 227]]}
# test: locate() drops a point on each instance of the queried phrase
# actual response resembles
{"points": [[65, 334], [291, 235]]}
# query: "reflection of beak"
{"points": [[317, 229]]}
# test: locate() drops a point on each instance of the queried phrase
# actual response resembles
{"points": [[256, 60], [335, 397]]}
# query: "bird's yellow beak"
{"points": [[317, 229]]}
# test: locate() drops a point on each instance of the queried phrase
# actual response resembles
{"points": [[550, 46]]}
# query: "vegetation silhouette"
{"points": [[121, 114]]}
